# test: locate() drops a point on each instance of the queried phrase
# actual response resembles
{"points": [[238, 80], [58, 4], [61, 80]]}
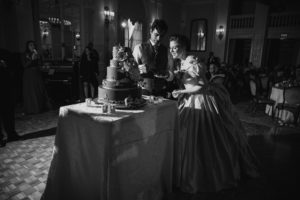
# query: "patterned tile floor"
{"points": [[24, 164], [24, 167], [26, 124]]}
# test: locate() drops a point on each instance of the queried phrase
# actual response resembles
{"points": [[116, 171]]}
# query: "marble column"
{"points": [[259, 37], [62, 28], [219, 44], [36, 22], [153, 10]]}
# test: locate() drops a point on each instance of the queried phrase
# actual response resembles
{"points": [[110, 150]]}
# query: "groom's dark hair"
{"points": [[160, 25]]}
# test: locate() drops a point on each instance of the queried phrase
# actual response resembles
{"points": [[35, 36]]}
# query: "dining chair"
{"points": [[291, 102], [279, 76], [264, 85], [259, 99]]}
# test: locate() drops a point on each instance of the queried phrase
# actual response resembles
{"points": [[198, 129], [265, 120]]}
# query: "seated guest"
{"points": [[215, 75], [211, 59], [212, 70]]}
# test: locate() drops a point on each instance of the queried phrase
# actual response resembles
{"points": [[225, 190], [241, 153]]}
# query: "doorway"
{"points": [[239, 51], [281, 52]]}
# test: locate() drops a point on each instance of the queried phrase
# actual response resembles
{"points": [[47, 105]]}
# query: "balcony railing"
{"points": [[284, 20], [278, 20], [241, 21]]}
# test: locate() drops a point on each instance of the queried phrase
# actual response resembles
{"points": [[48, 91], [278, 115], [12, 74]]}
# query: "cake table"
{"points": [[120, 156]]}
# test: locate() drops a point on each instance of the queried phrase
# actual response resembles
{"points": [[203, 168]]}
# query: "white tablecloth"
{"points": [[277, 96], [127, 155]]}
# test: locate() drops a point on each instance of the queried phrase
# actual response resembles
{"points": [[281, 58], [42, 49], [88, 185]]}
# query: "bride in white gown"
{"points": [[213, 150]]}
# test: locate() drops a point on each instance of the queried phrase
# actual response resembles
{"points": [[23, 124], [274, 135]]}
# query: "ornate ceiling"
{"points": [[71, 8]]}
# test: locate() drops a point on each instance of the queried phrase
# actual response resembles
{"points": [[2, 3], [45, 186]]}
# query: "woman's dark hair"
{"points": [[84, 51], [182, 40], [27, 44], [88, 47], [160, 25]]}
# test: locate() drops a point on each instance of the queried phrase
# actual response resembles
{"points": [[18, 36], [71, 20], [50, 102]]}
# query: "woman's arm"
{"points": [[33, 60], [190, 89], [27, 61]]}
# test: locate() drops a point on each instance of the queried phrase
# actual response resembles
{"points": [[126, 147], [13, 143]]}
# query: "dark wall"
{"points": [[136, 11], [171, 14], [133, 9], [203, 11], [248, 6], [282, 52], [8, 26]]}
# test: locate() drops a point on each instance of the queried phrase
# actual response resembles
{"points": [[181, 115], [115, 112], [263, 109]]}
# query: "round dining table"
{"points": [[277, 94]]}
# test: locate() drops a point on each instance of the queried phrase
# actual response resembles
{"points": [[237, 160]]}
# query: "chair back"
{"points": [[279, 76], [253, 87], [292, 95], [264, 83]]}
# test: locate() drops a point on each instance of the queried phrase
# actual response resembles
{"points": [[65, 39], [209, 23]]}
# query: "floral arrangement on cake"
{"points": [[127, 63]]}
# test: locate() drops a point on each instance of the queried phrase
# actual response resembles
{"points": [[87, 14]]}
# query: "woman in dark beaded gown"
{"points": [[35, 98]]}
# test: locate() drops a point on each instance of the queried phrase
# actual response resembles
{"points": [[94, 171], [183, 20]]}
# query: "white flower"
{"points": [[191, 66]]}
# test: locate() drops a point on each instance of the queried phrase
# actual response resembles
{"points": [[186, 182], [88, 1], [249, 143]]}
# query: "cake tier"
{"points": [[114, 74], [115, 52], [124, 83], [114, 63], [117, 94]]}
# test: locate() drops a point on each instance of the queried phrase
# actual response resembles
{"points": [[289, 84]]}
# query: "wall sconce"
{"points": [[220, 31], [108, 15], [45, 34], [200, 34], [123, 24], [77, 36]]}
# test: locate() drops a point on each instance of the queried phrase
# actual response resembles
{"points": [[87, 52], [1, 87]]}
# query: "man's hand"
{"points": [[34, 55], [175, 93], [170, 77], [143, 69]]}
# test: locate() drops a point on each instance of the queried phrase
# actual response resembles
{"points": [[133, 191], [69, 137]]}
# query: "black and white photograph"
{"points": [[149, 99]]}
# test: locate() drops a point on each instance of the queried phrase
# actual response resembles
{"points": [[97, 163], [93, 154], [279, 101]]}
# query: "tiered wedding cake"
{"points": [[121, 78]]}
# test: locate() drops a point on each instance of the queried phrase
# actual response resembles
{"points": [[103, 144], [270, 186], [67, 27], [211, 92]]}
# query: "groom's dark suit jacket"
{"points": [[156, 61]]}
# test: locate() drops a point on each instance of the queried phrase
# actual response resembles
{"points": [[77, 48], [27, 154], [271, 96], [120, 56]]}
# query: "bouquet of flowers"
{"points": [[190, 65]]}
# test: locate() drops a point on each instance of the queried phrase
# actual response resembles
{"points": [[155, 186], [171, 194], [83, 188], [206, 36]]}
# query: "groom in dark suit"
{"points": [[152, 58]]}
